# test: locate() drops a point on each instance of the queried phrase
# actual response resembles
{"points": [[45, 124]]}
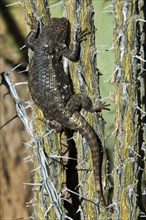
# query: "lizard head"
{"points": [[55, 35], [60, 28]]}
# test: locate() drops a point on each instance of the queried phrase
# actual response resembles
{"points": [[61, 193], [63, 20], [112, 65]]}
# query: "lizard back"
{"points": [[51, 91]]}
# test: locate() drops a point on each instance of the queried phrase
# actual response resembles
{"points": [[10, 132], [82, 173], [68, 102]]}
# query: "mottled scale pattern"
{"points": [[50, 87]]}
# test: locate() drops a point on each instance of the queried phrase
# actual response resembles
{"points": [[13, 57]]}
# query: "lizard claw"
{"points": [[35, 23], [104, 106], [80, 36], [99, 106]]}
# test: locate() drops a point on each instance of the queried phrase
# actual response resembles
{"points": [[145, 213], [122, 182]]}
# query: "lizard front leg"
{"points": [[73, 52], [32, 36]]}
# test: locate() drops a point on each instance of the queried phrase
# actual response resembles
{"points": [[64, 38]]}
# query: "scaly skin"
{"points": [[51, 91]]}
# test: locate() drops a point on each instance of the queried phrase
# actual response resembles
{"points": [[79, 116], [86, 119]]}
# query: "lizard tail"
{"points": [[95, 145]]}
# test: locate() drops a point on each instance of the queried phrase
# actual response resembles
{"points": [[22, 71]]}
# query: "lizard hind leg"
{"points": [[79, 101]]}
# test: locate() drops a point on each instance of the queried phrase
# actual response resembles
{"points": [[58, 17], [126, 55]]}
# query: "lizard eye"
{"points": [[61, 26]]}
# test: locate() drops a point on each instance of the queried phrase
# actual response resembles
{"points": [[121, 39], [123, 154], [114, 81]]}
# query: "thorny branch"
{"points": [[46, 185]]}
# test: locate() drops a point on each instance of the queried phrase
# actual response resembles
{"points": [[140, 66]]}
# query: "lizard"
{"points": [[51, 90]]}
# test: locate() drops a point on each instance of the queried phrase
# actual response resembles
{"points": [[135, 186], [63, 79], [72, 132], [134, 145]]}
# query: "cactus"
{"points": [[63, 182]]}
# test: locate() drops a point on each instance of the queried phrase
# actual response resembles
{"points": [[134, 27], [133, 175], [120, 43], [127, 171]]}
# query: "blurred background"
{"points": [[14, 170]]}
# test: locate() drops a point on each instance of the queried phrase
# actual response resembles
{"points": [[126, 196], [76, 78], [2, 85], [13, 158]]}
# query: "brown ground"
{"points": [[14, 171]]}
